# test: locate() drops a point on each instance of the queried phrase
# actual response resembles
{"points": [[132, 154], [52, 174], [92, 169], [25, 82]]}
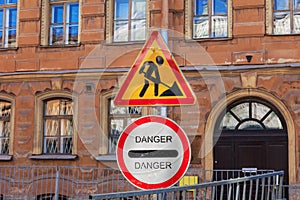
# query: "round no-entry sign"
{"points": [[153, 152]]}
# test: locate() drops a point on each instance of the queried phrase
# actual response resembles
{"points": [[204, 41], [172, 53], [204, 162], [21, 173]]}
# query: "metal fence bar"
{"points": [[28, 182], [183, 189]]}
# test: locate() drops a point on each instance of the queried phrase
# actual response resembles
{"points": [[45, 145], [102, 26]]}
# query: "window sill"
{"points": [[207, 39], [125, 43], [5, 158], [60, 46], [53, 157], [8, 48], [106, 158]]}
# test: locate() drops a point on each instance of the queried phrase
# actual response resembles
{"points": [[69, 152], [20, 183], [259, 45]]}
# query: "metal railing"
{"points": [[264, 186], [68, 182]]}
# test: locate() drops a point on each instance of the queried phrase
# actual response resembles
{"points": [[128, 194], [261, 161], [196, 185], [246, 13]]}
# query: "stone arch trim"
{"points": [[232, 97]]}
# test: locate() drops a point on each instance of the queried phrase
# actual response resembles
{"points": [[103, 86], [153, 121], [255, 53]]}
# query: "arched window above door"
{"points": [[250, 114]]}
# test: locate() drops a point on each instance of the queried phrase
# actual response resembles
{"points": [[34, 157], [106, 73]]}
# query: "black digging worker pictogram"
{"points": [[151, 73]]}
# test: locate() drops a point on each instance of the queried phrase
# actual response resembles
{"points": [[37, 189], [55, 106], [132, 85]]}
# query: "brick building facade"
{"points": [[59, 74]]}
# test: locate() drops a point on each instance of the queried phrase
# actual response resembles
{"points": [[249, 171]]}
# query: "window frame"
{"points": [[11, 100], [46, 22], [270, 18], [110, 12], [39, 124], [189, 18], [59, 137], [104, 136], [4, 44]]}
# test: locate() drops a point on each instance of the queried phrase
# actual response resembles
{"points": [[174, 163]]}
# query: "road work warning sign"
{"points": [[155, 78]]}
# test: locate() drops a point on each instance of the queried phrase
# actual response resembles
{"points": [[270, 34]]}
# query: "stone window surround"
{"points": [[188, 21], [110, 21], [45, 22], [38, 132], [17, 28], [11, 99]]}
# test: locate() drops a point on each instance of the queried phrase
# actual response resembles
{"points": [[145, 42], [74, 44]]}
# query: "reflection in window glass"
{"points": [[281, 4], [259, 110], [220, 7], [228, 122], [210, 19], [129, 21], [241, 111], [273, 122], [250, 116], [8, 23], [64, 24], [282, 23], [58, 126], [250, 125], [5, 114], [119, 118]]}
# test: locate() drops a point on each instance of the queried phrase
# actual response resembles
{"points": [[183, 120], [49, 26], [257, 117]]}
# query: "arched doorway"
{"points": [[251, 133]]}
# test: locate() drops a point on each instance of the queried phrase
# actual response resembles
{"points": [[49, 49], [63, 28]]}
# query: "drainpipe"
{"points": [[165, 35]]}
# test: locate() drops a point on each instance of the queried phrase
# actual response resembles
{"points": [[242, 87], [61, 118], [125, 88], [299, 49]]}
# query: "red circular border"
{"points": [[186, 155]]}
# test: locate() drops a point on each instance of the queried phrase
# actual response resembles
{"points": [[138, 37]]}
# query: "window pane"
{"points": [[66, 126], [281, 5], [273, 122], [296, 4], [116, 109], [220, 7], [66, 107], [228, 122], [57, 35], [12, 34], [121, 31], [241, 111], [138, 30], [5, 109], [11, 1], [66, 145], [52, 107], [259, 110], [4, 145], [138, 9], [12, 17], [73, 34], [1, 18], [251, 125], [73, 13], [201, 7], [201, 27], [51, 127], [282, 23], [1, 2], [121, 9], [51, 145], [219, 26], [57, 14], [297, 23]]}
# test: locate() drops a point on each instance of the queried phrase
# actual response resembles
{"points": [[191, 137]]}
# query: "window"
{"points": [[60, 20], [8, 23], [55, 134], [286, 17], [119, 118], [114, 119], [58, 126], [5, 127], [128, 22], [208, 19], [251, 115]]}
